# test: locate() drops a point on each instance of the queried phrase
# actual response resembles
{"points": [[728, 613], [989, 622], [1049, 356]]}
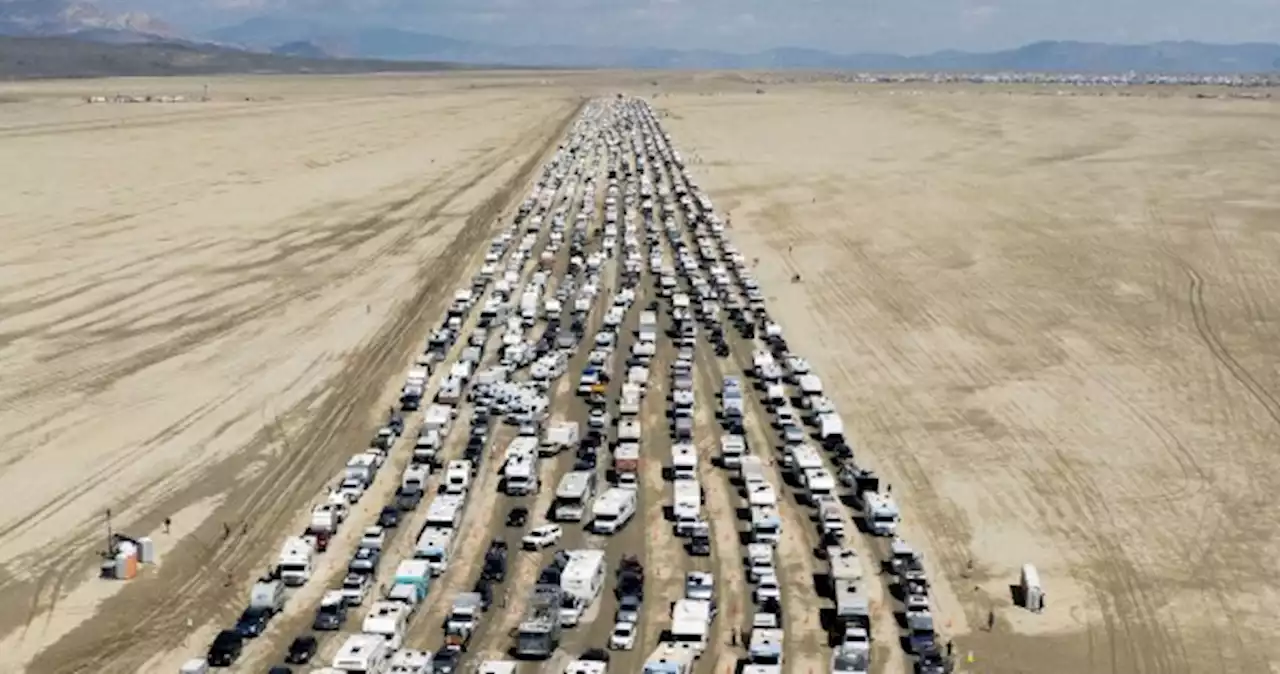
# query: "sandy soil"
{"points": [[207, 301], [1050, 322]]}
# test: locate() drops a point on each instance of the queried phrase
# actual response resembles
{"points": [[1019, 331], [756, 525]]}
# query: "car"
{"points": [[253, 621], [542, 537], [599, 418], [518, 516], [355, 587], [445, 661], [226, 648], [699, 585], [365, 561], [352, 489], [389, 518], [595, 655], [767, 588], [332, 614], [301, 650], [628, 609]]}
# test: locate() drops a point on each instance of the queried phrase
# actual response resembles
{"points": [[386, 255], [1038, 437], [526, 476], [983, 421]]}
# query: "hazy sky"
{"points": [[905, 26]]}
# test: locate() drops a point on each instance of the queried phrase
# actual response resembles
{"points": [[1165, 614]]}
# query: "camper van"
{"points": [[612, 510], [573, 496]]}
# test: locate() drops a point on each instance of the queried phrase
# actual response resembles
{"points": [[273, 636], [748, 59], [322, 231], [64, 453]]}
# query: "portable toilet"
{"points": [[146, 551], [1032, 591]]}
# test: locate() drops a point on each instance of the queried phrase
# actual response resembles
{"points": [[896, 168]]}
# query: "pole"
{"points": [[109, 537]]}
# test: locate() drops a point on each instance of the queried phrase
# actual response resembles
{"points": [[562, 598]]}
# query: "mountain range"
{"points": [[317, 40]]}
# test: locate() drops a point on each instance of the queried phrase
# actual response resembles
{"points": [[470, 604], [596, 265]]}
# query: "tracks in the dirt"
{"points": [[185, 585]]}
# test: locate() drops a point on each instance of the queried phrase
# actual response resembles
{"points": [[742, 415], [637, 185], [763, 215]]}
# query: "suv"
{"points": [[226, 648]]}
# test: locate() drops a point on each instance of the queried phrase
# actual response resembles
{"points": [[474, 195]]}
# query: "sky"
{"points": [[846, 26]]}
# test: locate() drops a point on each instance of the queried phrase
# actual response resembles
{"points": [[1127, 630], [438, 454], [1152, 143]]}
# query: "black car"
{"points": [[253, 622], [518, 516], [389, 518], [226, 648], [301, 650], [699, 546], [330, 617], [445, 662]]}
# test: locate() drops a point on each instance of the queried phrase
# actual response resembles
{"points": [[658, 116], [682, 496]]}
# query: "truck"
{"points": [[560, 435], [732, 448], [766, 524], [293, 566], [538, 635], [445, 511], [463, 619], [648, 331], [415, 573], [267, 594]]}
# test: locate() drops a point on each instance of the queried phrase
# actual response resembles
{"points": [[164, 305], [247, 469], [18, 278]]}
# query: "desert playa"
{"points": [[1049, 322]]}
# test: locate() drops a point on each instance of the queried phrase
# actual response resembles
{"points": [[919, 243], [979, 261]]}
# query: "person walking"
{"points": [[166, 525], [991, 621]]}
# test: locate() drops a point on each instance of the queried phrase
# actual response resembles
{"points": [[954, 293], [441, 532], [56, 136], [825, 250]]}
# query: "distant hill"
{"points": [[64, 57], [49, 18], [1085, 57]]}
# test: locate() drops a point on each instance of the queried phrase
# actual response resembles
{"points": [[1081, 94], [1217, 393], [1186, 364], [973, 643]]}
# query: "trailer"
{"points": [[294, 565]]}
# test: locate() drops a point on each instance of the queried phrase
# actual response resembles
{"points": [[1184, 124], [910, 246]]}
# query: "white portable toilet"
{"points": [[146, 551], [1032, 591]]}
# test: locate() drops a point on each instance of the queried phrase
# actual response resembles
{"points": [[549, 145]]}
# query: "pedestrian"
{"points": [[888, 489], [166, 525], [244, 528], [991, 621], [733, 637], [226, 531], [949, 649]]}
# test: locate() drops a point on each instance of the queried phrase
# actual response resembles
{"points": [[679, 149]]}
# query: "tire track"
{"points": [[276, 496]]}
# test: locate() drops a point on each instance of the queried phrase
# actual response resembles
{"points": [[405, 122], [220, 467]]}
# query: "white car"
{"points": [[542, 537], [699, 585], [355, 587], [598, 419], [351, 489], [767, 589], [623, 637]]}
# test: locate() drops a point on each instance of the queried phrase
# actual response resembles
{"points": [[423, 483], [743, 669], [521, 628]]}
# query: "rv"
{"points": [[457, 477], [445, 512], [573, 496], [612, 510], [684, 462], [387, 619], [670, 658], [881, 513], [691, 623], [363, 654], [581, 582], [294, 564], [434, 546], [520, 470], [766, 524]]}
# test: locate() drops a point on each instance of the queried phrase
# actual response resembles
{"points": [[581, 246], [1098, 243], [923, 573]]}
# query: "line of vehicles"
{"points": [[516, 291], [717, 277], [377, 647]]}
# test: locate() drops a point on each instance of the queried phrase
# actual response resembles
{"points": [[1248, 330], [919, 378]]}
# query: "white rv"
{"points": [[294, 563], [612, 510], [582, 580], [363, 654], [573, 496]]}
